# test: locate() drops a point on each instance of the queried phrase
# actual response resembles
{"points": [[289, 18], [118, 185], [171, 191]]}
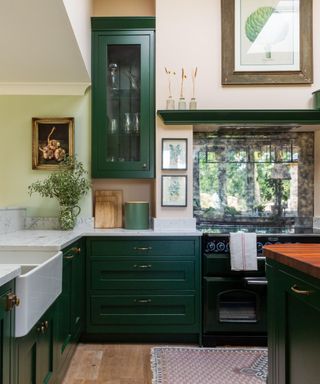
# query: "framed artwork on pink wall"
{"points": [[267, 42]]}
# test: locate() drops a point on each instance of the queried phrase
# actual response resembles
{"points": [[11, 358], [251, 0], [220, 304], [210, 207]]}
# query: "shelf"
{"points": [[237, 116]]}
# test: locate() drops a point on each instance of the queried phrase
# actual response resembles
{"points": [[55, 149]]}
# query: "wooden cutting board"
{"points": [[108, 209]]}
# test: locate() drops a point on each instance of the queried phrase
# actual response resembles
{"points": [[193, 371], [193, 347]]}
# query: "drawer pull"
{"points": [[142, 266], [72, 252], [295, 289], [142, 301], [142, 248]]}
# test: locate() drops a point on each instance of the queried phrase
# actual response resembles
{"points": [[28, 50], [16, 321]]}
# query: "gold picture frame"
{"points": [[234, 32], [52, 140]]}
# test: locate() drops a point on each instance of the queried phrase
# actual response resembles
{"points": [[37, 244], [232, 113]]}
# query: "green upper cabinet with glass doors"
{"points": [[123, 97]]}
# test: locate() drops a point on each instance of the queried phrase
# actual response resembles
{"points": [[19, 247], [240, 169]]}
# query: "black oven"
{"points": [[235, 303]]}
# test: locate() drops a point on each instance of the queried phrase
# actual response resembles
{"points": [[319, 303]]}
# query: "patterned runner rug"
{"points": [[191, 365]]}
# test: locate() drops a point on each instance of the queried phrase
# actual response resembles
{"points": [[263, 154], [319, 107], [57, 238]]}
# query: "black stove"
{"points": [[234, 302], [216, 238]]}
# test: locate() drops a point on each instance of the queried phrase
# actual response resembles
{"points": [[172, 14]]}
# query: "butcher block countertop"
{"points": [[302, 257]]}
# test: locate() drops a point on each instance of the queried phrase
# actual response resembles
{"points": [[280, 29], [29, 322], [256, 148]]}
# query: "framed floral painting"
{"points": [[174, 191], [174, 154]]}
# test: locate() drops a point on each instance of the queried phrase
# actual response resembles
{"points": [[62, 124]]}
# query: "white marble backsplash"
{"points": [[41, 223], [183, 225], [46, 223], [12, 219], [316, 222]]}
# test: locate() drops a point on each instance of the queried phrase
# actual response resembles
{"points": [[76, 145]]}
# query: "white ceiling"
{"points": [[38, 49]]}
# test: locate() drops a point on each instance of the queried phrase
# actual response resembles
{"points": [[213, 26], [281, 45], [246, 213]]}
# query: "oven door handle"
{"points": [[256, 281], [263, 258]]}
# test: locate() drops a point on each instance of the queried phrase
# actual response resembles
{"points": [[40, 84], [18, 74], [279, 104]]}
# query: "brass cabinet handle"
{"points": [[73, 251], [295, 289], [142, 248], [142, 266], [142, 301], [12, 300]]}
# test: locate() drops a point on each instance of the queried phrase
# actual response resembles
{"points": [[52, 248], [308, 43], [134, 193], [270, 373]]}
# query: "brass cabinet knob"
{"points": [[12, 300]]}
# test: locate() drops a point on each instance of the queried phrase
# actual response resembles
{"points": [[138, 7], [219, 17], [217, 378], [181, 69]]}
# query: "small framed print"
{"points": [[174, 154], [52, 141], [174, 191]]}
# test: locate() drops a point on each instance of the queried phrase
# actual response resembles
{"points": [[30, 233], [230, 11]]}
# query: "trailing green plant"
{"points": [[67, 184]]}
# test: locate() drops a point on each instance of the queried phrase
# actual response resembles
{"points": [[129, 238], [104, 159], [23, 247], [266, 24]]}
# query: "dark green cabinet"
{"points": [[143, 286], [294, 334], [35, 351], [71, 303], [6, 333], [123, 97]]}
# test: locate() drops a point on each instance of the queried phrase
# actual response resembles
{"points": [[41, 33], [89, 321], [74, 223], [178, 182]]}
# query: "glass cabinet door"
{"points": [[123, 104]]}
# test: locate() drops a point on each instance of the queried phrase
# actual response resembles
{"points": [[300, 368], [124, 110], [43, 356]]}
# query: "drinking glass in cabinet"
{"points": [[114, 76], [127, 123], [113, 126], [133, 80], [136, 123]]}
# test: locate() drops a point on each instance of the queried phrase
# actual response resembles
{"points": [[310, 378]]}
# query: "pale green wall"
{"points": [[16, 171]]}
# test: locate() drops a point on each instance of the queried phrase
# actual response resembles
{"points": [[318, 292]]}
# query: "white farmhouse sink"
{"points": [[38, 285]]}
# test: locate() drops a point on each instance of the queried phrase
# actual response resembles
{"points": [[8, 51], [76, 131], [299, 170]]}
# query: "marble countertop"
{"points": [[8, 272], [57, 240]]}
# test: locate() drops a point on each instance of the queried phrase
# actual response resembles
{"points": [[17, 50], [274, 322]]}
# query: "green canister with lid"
{"points": [[136, 215], [316, 99]]}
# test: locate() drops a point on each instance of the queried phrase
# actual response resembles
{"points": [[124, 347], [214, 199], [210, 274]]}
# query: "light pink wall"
{"points": [[123, 7], [188, 34]]}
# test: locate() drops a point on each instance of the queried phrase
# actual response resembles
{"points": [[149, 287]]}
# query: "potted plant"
{"points": [[68, 184]]}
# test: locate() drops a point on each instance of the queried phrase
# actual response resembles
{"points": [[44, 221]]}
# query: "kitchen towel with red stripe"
{"points": [[243, 251]]}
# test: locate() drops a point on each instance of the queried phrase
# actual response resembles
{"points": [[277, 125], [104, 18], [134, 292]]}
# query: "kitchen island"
{"points": [[293, 273]]}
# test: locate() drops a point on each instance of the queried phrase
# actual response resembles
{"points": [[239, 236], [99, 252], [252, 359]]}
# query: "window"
{"points": [[256, 178]]}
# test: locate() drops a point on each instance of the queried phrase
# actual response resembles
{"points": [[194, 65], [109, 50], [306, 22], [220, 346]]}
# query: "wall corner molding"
{"points": [[37, 88]]}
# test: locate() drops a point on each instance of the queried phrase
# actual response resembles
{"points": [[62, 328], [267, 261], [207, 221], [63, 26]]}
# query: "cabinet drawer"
{"points": [[142, 310], [141, 247], [142, 274], [306, 290]]}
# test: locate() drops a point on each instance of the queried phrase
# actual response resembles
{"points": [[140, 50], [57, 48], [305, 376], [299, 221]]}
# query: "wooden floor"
{"points": [[110, 364]]}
